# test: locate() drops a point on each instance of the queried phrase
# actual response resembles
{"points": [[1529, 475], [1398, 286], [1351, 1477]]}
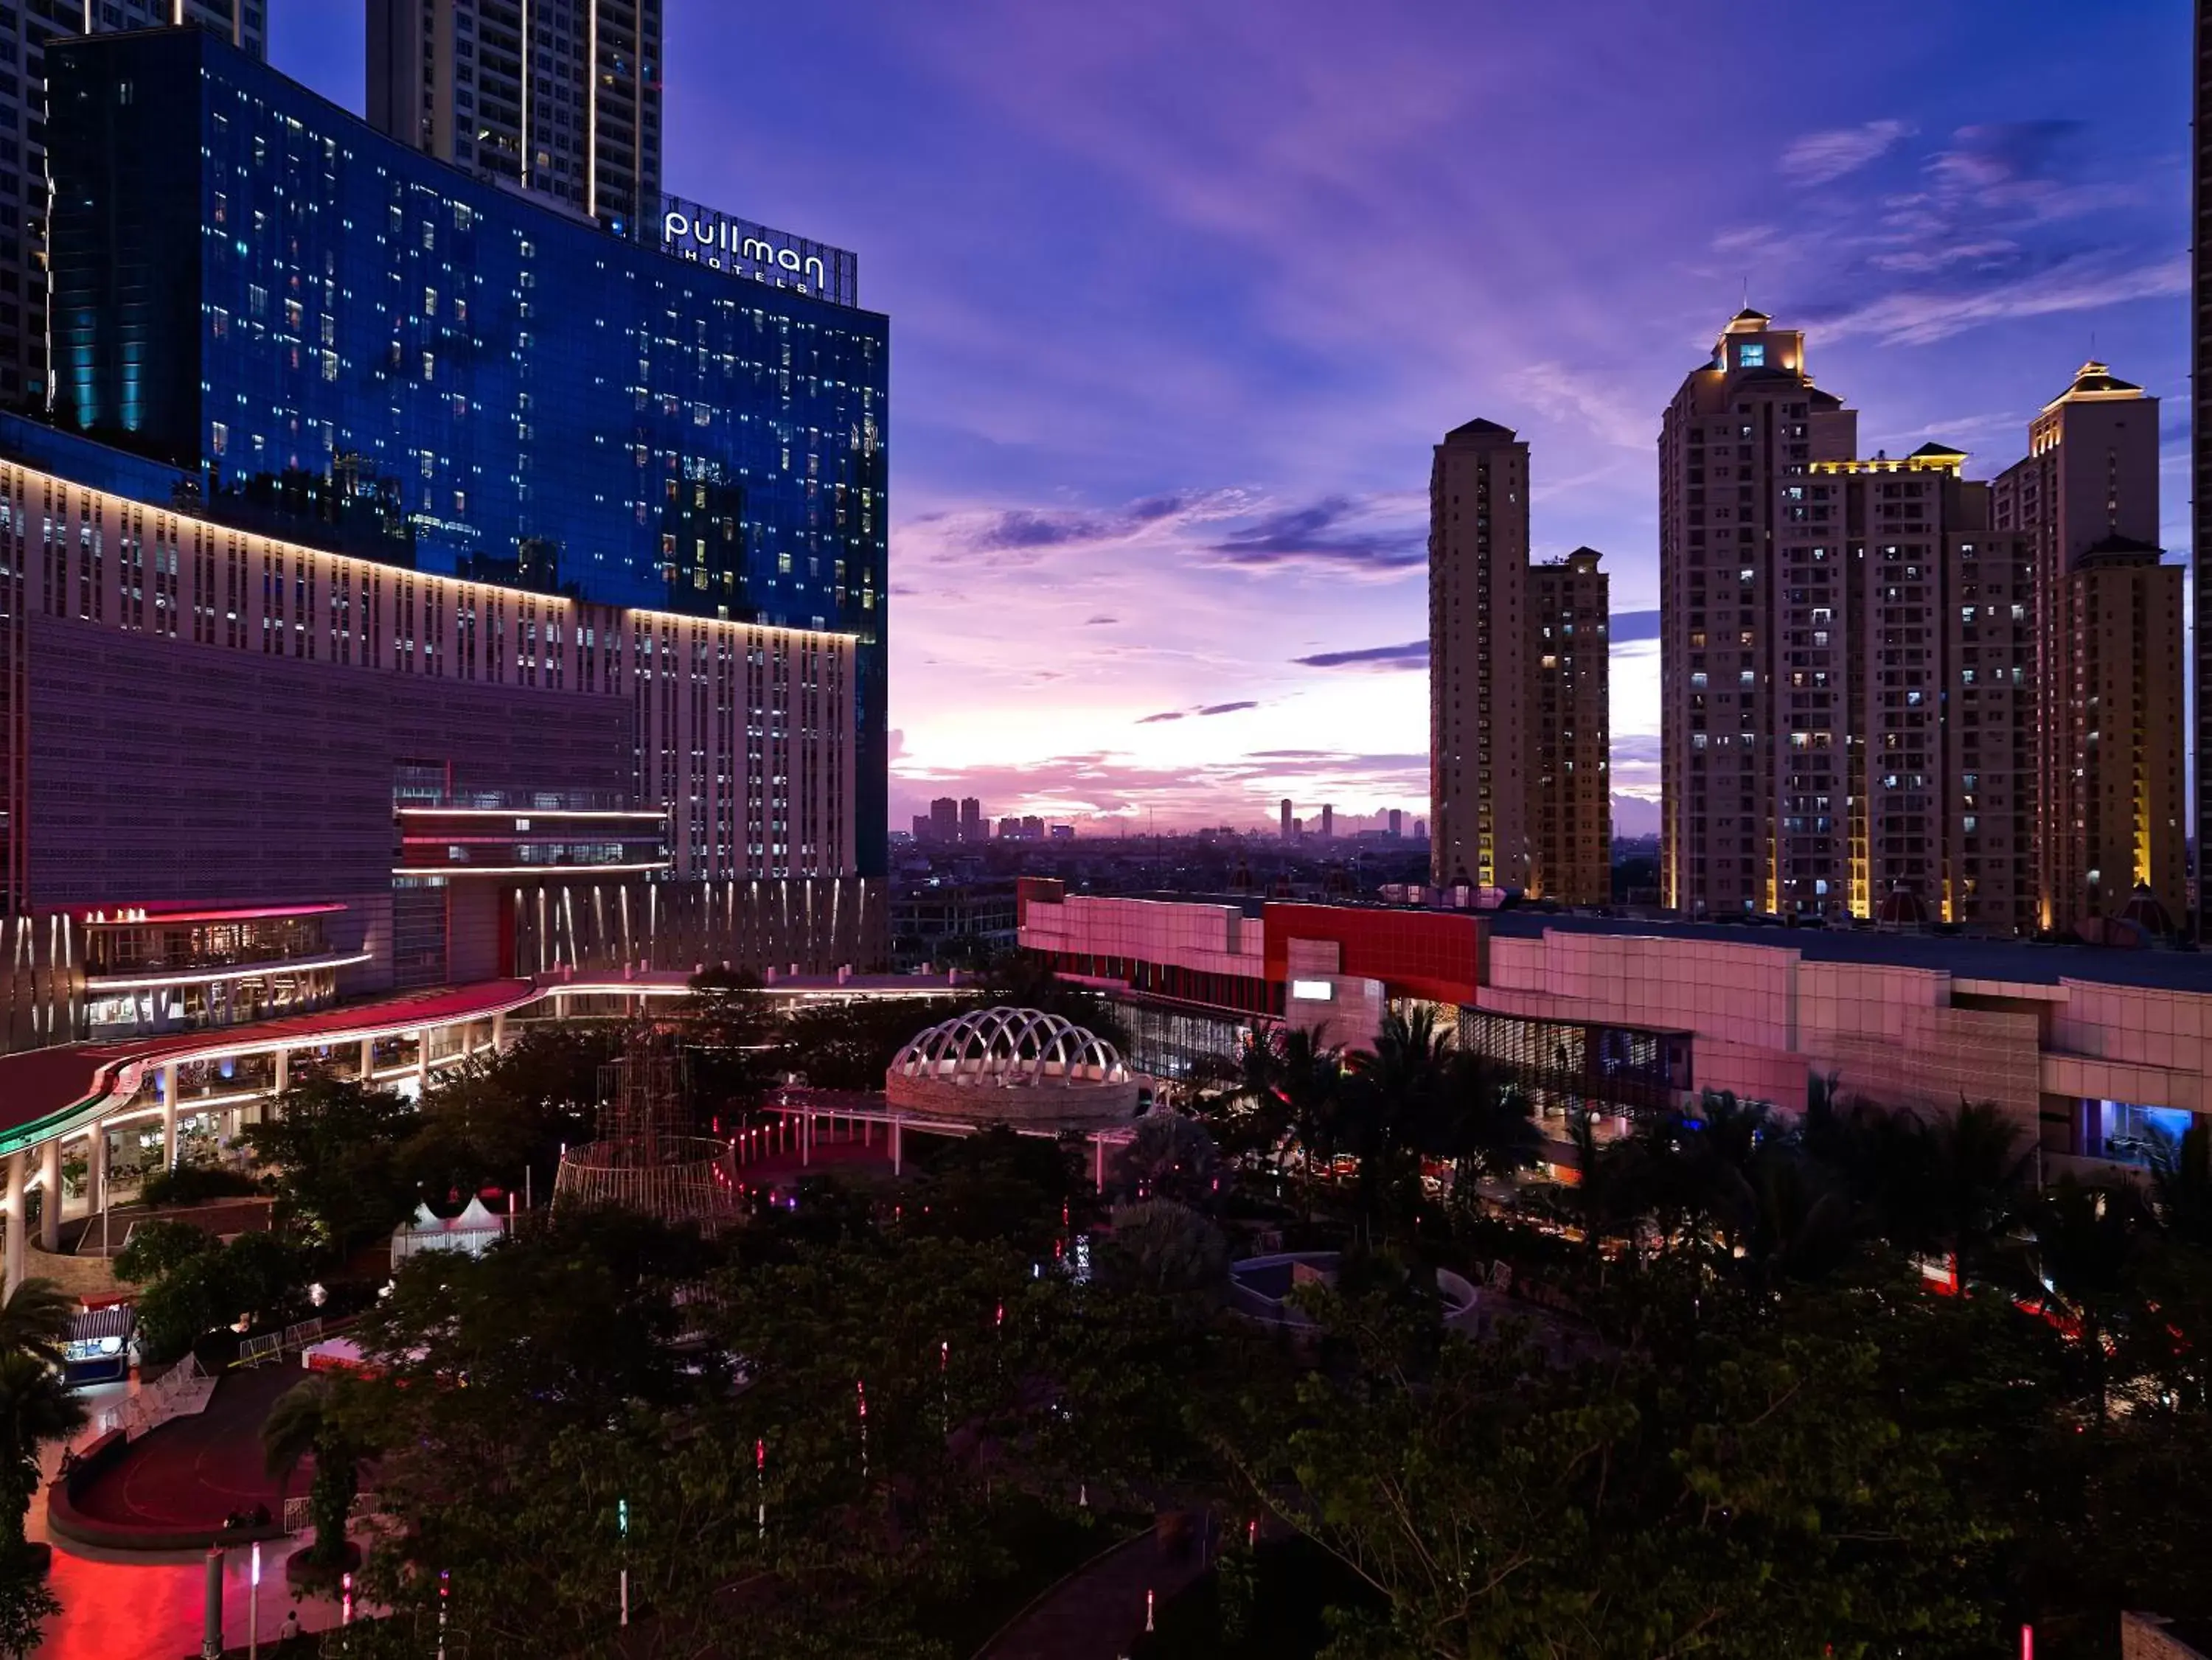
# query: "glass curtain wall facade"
{"points": [[530, 400]]}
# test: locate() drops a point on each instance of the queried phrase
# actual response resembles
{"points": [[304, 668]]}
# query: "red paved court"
{"points": [[194, 1471]]}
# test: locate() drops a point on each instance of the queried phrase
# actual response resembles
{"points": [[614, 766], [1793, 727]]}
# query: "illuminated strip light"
{"points": [[592, 115], [529, 869], [140, 916], [658, 815], [552, 835], [343, 1037], [190, 1105], [250, 971]]}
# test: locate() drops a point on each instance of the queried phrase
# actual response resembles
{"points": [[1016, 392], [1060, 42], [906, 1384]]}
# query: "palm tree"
{"points": [[1287, 1090], [1398, 1103], [2089, 1246], [2181, 1184], [35, 1318], [306, 1421], [1804, 1225], [35, 1407], [1977, 1170], [1168, 1156], [1486, 1127], [1693, 1170]]}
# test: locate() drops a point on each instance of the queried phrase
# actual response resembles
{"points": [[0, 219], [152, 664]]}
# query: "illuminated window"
{"points": [[1751, 357]]}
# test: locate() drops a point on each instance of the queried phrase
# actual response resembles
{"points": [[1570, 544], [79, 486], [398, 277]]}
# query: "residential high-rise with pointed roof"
{"points": [[2108, 719], [1741, 420], [1846, 655], [1518, 783]]}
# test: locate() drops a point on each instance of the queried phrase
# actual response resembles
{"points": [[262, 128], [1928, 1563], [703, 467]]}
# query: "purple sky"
{"points": [[1182, 291]]}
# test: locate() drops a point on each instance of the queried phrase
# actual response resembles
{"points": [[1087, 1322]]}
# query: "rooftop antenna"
{"points": [[1747, 292]]}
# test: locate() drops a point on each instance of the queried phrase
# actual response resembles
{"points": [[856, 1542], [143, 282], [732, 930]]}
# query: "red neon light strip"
{"points": [[109, 919]]}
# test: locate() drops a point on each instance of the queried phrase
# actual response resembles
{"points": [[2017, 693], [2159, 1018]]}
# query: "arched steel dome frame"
{"points": [[1007, 1047]]}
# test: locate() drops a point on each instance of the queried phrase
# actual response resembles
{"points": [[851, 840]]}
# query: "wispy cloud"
{"points": [[1413, 654], [1599, 404], [1165, 714], [1318, 534], [2079, 283], [1820, 158], [1229, 708]]}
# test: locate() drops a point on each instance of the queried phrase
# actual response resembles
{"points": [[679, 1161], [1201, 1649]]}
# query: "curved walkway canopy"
{"points": [[45, 1093]]}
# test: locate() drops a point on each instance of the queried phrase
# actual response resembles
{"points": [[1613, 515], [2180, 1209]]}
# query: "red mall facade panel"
{"points": [[1435, 954]]}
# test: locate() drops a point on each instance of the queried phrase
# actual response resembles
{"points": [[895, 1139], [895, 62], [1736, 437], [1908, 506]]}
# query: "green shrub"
{"points": [[196, 1184]]}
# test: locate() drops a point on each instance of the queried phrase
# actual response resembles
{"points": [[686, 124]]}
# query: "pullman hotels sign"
{"points": [[691, 231]]}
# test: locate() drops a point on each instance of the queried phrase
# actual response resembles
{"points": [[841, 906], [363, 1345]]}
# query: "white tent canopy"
{"points": [[472, 1231]]}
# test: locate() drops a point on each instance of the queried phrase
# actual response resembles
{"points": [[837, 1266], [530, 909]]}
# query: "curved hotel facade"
{"points": [[426, 603]]}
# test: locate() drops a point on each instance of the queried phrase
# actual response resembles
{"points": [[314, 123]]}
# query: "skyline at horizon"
{"points": [[1168, 400]]}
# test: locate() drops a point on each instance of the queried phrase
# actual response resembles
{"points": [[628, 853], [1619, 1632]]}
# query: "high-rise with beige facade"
{"points": [[2109, 714], [1478, 623], [1904, 772], [1518, 778], [1740, 423], [1570, 780], [1845, 664], [561, 97]]}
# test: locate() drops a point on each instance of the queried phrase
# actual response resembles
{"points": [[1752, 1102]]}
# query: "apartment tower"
{"points": [[2109, 716], [25, 29], [1570, 816], [1904, 771], [2200, 452], [1739, 423], [1846, 665], [561, 97], [1478, 623]]}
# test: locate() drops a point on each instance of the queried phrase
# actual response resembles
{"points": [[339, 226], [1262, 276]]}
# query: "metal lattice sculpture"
{"points": [[646, 1158]]}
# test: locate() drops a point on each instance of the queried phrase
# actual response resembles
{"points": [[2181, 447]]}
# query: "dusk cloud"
{"points": [[1413, 654], [1229, 708], [1315, 534], [1820, 158]]}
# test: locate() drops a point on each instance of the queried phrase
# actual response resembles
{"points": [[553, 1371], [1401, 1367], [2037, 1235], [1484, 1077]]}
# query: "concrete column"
{"points": [[50, 1196], [421, 1062], [283, 1070], [806, 1140], [498, 1032], [1098, 1160], [95, 1171], [368, 1059], [169, 1116], [897, 1147], [13, 1243]]}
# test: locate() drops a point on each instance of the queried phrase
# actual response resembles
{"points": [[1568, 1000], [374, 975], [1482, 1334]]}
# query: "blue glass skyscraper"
{"points": [[251, 284]]}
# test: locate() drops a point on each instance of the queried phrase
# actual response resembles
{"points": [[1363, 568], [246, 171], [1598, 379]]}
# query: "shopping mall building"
{"points": [[424, 608], [2088, 1051]]}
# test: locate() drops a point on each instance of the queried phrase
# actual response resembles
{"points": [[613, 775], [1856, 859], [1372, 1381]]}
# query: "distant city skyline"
{"points": [[1157, 469]]}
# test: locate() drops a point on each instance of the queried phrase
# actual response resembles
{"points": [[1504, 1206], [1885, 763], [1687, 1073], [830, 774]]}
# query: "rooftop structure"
{"points": [[1017, 1066]]}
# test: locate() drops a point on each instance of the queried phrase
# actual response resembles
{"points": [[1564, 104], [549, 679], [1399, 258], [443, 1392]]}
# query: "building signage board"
{"points": [[691, 230]]}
